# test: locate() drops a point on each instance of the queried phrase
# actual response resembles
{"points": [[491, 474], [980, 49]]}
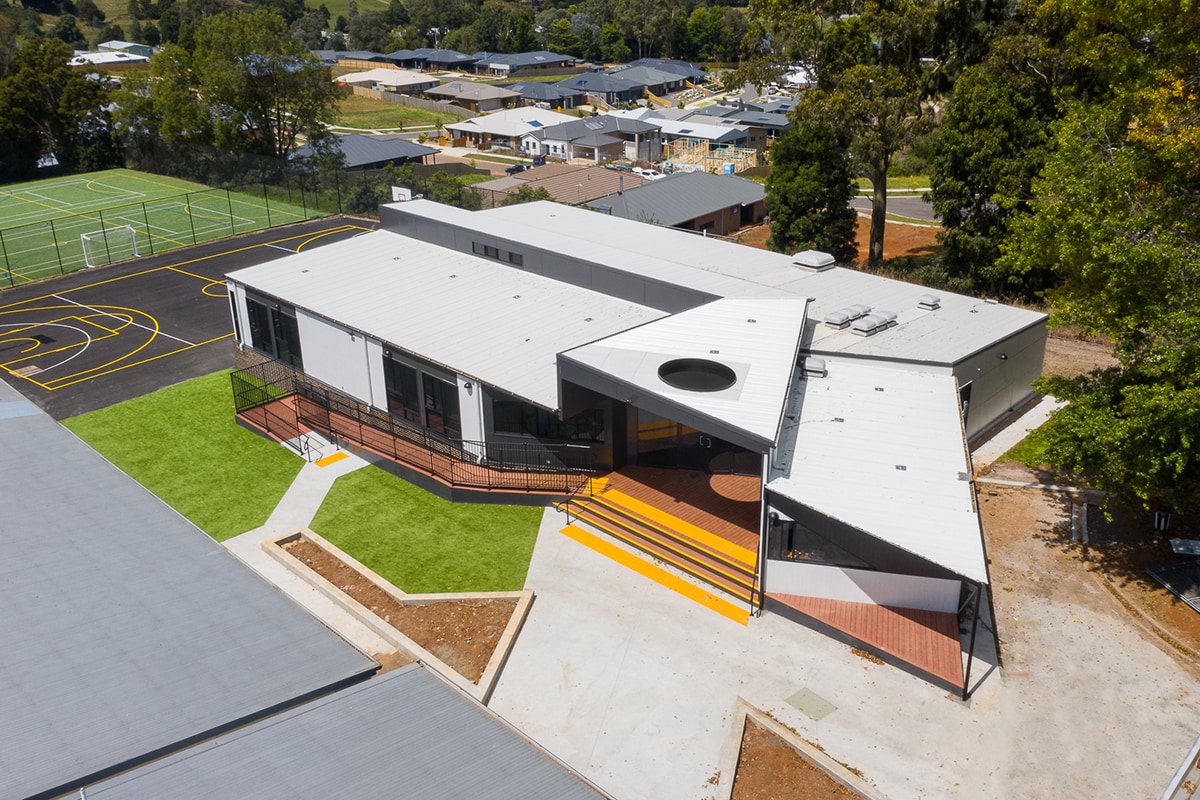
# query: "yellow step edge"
{"points": [[332, 458], [658, 575], [710, 540], [736, 579]]}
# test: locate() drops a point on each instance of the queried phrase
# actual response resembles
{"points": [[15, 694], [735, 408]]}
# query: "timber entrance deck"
{"points": [[926, 640]]}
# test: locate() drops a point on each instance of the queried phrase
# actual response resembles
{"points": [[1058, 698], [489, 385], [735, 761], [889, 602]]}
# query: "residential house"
{"points": [[432, 59], [505, 129], [388, 79], [374, 152], [694, 201], [133, 48], [597, 139], [478, 97], [565, 183], [656, 81], [535, 61], [546, 95], [607, 89], [694, 73]]}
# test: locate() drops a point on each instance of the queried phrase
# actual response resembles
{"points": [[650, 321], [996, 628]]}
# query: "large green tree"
{"points": [[809, 192]]}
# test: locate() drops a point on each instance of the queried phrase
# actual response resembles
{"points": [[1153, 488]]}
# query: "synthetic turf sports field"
{"points": [[41, 222], [95, 338]]}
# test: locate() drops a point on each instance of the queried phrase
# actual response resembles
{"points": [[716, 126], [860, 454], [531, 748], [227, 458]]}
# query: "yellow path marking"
{"points": [[332, 458], [710, 540], [658, 575]]}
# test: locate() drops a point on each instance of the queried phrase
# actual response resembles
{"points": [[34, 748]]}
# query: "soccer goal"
{"points": [[109, 245]]}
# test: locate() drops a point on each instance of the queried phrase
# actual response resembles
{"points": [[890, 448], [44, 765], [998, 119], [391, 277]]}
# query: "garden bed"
{"points": [[769, 768], [462, 633]]}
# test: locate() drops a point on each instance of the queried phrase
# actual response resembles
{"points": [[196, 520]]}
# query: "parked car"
{"points": [[648, 174], [515, 168]]}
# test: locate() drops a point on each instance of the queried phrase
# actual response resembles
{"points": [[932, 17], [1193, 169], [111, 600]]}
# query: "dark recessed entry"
{"points": [[697, 375]]}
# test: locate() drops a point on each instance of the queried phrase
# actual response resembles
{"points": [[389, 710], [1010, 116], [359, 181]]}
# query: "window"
{"points": [[274, 331], [402, 397], [522, 419], [491, 252], [441, 407], [516, 259], [237, 325]]}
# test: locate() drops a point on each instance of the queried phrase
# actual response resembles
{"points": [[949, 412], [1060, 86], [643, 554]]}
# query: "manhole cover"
{"points": [[812, 704]]}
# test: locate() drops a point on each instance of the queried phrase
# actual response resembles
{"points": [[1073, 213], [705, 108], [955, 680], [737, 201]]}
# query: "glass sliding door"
{"points": [[441, 407], [402, 397], [274, 331]]}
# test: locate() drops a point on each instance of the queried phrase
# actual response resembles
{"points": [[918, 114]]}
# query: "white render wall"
{"points": [[862, 586], [334, 355]]}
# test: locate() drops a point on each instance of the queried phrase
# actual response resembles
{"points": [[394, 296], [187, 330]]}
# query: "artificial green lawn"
{"points": [[1030, 451], [183, 444], [422, 543]]}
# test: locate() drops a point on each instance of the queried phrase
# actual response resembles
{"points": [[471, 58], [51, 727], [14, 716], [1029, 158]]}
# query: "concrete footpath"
{"points": [[991, 450], [296, 509]]}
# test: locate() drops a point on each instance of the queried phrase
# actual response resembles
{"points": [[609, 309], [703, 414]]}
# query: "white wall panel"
{"points": [[377, 381], [335, 355], [862, 586]]}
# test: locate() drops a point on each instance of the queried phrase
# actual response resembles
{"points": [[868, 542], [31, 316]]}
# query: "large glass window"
{"points": [[402, 397], [522, 419], [273, 330], [441, 407]]}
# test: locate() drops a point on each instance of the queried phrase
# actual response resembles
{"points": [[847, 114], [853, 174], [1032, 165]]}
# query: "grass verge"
{"points": [[498, 159], [1030, 451], [422, 543], [183, 444], [356, 111], [896, 183]]}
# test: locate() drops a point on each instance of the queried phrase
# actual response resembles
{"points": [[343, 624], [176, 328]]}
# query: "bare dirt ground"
{"points": [[462, 633], [1070, 353], [769, 768], [1028, 533], [898, 239]]}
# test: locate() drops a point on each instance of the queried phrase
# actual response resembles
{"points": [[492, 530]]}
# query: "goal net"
{"points": [[109, 245]]}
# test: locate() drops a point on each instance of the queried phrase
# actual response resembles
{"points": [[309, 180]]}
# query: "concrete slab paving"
{"points": [[636, 686], [1010, 437], [296, 509]]}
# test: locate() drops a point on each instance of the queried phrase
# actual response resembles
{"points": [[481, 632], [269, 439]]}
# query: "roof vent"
{"points": [[813, 259], [929, 302], [844, 316], [815, 367], [869, 325]]}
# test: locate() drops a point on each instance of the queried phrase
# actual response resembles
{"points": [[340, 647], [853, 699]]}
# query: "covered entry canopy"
{"points": [[724, 367]]}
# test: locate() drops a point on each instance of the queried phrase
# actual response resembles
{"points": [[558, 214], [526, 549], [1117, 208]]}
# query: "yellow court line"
{"points": [[205, 289], [16, 374], [710, 540], [689, 590], [138, 363], [300, 246], [174, 267], [16, 339]]}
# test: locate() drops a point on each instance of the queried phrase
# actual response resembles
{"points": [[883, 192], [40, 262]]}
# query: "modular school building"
{"points": [[783, 432]]}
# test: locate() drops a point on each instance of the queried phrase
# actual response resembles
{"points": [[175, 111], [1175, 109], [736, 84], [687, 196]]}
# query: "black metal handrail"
{"points": [[550, 468]]}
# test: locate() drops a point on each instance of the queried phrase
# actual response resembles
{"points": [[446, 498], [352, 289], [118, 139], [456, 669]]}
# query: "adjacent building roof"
{"points": [[542, 91], [117, 44], [403, 734], [600, 83], [756, 338], [693, 72], [730, 115], [681, 198], [585, 130], [647, 76], [361, 150], [694, 129], [514, 61], [510, 122], [433, 55], [118, 57], [961, 326], [568, 183], [468, 90], [386, 76], [127, 631], [507, 325], [351, 55], [899, 432]]}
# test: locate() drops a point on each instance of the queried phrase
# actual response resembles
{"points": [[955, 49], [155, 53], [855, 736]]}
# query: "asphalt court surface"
{"points": [[96, 338]]}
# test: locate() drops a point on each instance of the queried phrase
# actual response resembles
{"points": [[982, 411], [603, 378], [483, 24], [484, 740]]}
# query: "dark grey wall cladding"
{"points": [[571, 370], [876, 552], [127, 632], [566, 269]]}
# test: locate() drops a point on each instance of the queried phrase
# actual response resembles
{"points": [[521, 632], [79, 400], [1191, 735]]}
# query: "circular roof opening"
{"points": [[697, 375]]}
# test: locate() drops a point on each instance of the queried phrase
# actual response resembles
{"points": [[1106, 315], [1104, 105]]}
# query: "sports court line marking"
{"points": [[136, 363], [284, 249], [131, 322]]}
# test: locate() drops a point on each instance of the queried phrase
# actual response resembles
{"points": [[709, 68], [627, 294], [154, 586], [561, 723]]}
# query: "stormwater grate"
{"points": [[811, 704]]}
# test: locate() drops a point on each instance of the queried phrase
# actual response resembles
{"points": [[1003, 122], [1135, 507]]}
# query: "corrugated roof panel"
{"points": [[683, 197], [125, 628], [492, 322], [855, 427], [404, 734]]}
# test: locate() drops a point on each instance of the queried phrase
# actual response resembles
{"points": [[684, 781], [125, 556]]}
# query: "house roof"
{"points": [[468, 90], [599, 82], [403, 734], [646, 75], [507, 325], [692, 72], [693, 129], [117, 44], [128, 631], [961, 327], [540, 90], [756, 338], [361, 150], [585, 130], [118, 57], [355, 55], [439, 56], [681, 198], [899, 432], [532, 58], [568, 183], [386, 76], [730, 115], [511, 121]]}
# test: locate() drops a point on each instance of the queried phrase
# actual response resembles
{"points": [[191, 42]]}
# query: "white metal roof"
{"points": [[485, 320], [757, 338], [386, 77], [855, 429], [960, 327], [512, 121]]}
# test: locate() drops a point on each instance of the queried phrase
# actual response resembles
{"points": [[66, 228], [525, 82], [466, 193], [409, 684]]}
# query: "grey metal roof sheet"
{"points": [[126, 630], [599, 82], [692, 72], [681, 198], [495, 323], [647, 75], [360, 149], [403, 734], [578, 129], [531, 58], [468, 90], [540, 90]]}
